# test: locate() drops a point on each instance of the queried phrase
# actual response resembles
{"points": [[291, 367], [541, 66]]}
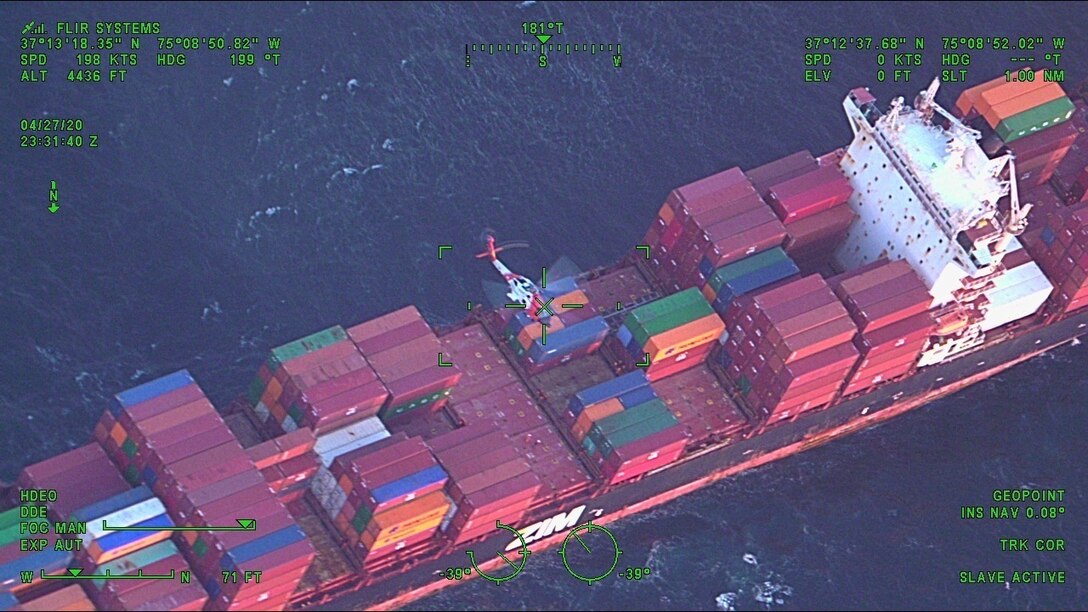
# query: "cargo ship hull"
{"points": [[808, 430]]}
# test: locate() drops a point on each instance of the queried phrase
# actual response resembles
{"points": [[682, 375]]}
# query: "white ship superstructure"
{"points": [[924, 191]]}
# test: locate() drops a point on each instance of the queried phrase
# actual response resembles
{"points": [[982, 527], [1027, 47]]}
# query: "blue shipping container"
{"points": [[519, 321], [117, 539], [112, 504], [1048, 236], [154, 388], [638, 396], [706, 268], [623, 335], [569, 339], [261, 546], [48, 560], [607, 390], [559, 287], [752, 281], [412, 482]]}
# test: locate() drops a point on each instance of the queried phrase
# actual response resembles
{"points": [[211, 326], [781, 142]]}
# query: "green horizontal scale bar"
{"points": [[572, 305], [519, 306], [77, 574], [243, 525]]}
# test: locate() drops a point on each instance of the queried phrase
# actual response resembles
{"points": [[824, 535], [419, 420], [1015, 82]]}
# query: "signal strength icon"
{"points": [[33, 28]]}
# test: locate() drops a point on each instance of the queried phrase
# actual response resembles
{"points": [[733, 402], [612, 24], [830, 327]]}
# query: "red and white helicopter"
{"points": [[520, 290]]}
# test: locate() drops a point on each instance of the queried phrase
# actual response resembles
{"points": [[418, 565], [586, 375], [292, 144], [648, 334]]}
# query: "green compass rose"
{"points": [[517, 567], [580, 553]]}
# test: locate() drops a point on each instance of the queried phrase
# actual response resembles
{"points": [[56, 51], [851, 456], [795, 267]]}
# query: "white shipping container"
{"points": [[126, 517], [334, 501], [323, 482], [346, 439], [1018, 293], [262, 411]]}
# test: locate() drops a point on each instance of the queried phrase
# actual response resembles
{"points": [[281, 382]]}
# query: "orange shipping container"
{"points": [[1003, 110], [666, 214], [594, 413], [408, 512], [970, 97], [69, 598], [574, 297], [685, 337], [533, 331], [1007, 91]]}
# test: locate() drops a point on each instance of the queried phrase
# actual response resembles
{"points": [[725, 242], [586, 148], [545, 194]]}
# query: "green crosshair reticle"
{"points": [[581, 548], [524, 551]]}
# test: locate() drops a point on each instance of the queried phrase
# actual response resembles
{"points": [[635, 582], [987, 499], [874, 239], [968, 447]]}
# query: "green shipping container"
{"points": [[1036, 119], [589, 446], [361, 519], [309, 344], [141, 558], [745, 385], [9, 518], [129, 447], [10, 534], [637, 432], [392, 411], [255, 391], [200, 548], [644, 326], [630, 416], [132, 475], [747, 265]]}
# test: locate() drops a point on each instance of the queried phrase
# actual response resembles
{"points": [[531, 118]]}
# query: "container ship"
{"points": [[765, 312]]}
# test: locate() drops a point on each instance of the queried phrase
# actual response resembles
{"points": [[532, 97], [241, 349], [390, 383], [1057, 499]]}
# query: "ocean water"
{"points": [[230, 209]]}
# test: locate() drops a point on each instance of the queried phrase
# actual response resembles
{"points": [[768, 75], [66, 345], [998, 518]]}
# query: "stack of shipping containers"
{"points": [[404, 351], [205, 478], [575, 330], [813, 207], [321, 382], [162, 558], [718, 219], [80, 477], [675, 333], [1028, 116], [287, 463], [625, 428], [393, 497], [747, 275], [889, 303], [1070, 178], [489, 479], [789, 348], [1061, 249], [701, 406]]}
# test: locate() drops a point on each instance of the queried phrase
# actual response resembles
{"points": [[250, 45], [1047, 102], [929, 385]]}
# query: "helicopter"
{"points": [[519, 289]]}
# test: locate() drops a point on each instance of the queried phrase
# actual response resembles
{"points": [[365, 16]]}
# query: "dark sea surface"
{"points": [[228, 210]]}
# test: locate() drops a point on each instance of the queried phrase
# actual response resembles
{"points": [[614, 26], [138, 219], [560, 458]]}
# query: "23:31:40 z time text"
{"points": [[58, 141]]}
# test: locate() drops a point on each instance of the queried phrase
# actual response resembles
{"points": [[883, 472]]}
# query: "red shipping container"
{"points": [[809, 193], [315, 390], [160, 404], [754, 217], [199, 442], [670, 235], [309, 361], [505, 493], [891, 310], [198, 499], [781, 170], [819, 229], [769, 298], [377, 455], [910, 331], [704, 187], [395, 337], [466, 486], [1055, 138], [662, 460], [755, 240]]}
